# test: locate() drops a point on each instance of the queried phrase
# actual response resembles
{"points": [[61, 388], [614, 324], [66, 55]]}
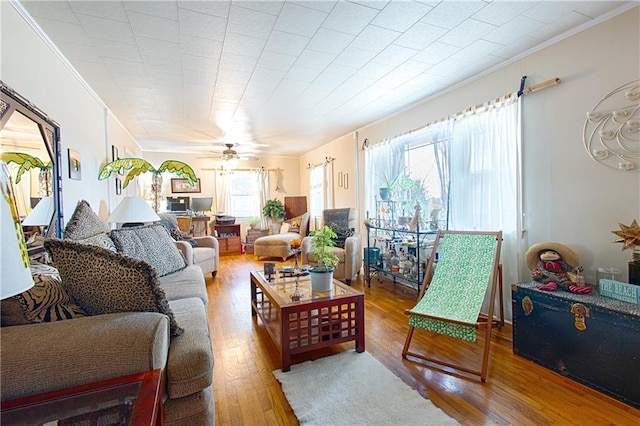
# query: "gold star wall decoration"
{"points": [[629, 236]]}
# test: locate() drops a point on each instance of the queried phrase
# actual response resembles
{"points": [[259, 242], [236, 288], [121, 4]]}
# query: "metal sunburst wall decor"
{"points": [[611, 132]]}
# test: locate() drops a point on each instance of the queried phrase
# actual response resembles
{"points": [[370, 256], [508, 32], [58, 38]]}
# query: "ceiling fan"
{"points": [[231, 154]]}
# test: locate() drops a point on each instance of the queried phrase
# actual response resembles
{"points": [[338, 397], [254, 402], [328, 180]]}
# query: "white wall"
{"points": [[567, 197], [31, 68]]}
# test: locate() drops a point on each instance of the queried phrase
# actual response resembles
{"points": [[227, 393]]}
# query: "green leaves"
{"points": [[26, 162], [137, 166]]}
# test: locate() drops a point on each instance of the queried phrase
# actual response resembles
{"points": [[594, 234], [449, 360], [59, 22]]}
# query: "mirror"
{"points": [[30, 145]]}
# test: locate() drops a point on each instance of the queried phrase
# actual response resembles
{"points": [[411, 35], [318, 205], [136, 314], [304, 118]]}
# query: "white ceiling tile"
{"points": [[103, 9], [196, 46], [500, 12], [559, 25], [250, 22], [200, 77], [199, 64], [325, 84], [243, 45], [410, 69], [64, 32], [78, 53], [266, 74], [312, 59], [448, 67], [299, 20], [235, 62], [202, 25], [302, 73], [276, 61], [114, 49], [126, 69], [321, 5], [516, 47], [374, 71], [467, 32], [107, 29], [160, 48], [394, 55], [349, 18], [435, 53], [356, 58], [61, 12], [310, 97], [164, 65], [330, 41], [215, 8], [476, 51], [420, 36], [161, 9], [449, 14], [288, 90], [375, 4], [593, 9], [547, 11], [338, 72], [401, 15], [159, 77], [270, 7], [154, 27], [374, 38], [288, 44], [516, 28]]}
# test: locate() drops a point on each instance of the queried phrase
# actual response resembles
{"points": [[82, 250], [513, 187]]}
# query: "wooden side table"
{"points": [[228, 237], [134, 400]]}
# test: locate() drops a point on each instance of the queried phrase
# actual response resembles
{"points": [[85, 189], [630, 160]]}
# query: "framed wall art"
{"points": [[75, 169], [183, 186]]}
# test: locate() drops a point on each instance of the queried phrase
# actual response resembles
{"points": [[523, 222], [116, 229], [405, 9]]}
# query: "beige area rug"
{"points": [[352, 389]]}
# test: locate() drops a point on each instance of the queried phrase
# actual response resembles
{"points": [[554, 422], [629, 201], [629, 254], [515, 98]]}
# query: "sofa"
{"points": [[344, 223], [279, 245], [202, 251], [95, 314]]}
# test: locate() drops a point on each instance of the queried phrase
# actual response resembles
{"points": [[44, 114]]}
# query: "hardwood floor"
{"points": [[517, 392]]}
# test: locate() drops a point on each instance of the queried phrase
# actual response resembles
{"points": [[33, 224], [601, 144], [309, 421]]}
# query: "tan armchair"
{"points": [[351, 254]]}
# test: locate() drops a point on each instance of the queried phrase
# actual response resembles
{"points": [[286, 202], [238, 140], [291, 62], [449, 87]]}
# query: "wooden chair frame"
{"points": [[485, 322]]}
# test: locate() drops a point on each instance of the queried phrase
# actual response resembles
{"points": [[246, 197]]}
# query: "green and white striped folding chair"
{"points": [[451, 297]]}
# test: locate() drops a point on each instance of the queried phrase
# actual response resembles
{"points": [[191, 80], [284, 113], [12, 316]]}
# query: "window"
{"points": [[244, 194]]}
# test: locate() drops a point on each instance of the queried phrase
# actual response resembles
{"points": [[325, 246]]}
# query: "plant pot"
{"points": [[385, 193], [321, 278]]}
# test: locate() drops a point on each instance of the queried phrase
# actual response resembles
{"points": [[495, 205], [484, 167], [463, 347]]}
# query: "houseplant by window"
{"points": [[274, 209], [389, 182], [322, 241], [253, 222]]}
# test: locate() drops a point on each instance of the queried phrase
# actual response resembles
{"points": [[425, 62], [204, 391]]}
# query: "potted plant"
{"points": [[274, 209], [389, 182], [253, 222], [322, 241]]}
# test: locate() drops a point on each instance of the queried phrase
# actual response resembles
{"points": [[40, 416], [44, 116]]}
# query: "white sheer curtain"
{"points": [[223, 192], [384, 158], [262, 183], [485, 179]]}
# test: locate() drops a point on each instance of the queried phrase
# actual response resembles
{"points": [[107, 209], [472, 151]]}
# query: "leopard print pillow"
{"points": [[152, 244], [84, 223], [103, 282]]}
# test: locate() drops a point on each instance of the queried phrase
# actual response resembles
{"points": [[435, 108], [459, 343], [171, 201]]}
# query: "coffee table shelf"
{"points": [[300, 320]]}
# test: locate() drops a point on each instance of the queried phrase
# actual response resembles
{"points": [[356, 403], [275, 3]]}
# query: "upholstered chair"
{"points": [[349, 243]]}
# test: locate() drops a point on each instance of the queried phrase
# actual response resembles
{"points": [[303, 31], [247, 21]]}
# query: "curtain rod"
{"points": [[257, 169], [527, 90]]}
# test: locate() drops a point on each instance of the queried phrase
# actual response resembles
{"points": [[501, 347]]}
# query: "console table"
{"points": [[228, 237], [591, 339]]}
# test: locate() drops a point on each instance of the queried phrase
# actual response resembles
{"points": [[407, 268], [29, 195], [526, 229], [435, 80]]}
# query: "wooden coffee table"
{"points": [[131, 400], [299, 320]]}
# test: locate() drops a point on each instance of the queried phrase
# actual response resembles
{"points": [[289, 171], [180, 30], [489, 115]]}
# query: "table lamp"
{"points": [[41, 215], [133, 211], [15, 273]]}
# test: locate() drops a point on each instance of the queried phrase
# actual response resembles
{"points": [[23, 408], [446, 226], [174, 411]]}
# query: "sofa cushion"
{"points": [[152, 244], [84, 223], [185, 284], [104, 282], [169, 221], [100, 240], [190, 360], [46, 301], [178, 235]]}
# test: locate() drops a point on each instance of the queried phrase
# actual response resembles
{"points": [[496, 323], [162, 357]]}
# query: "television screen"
{"points": [[177, 204], [201, 204]]}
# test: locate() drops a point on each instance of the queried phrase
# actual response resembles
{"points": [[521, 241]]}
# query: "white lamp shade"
{"points": [[133, 210], [15, 274], [41, 214]]}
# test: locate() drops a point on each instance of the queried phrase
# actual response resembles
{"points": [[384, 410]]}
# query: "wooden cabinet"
{"points": [[228, 237], [585, 337]]}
